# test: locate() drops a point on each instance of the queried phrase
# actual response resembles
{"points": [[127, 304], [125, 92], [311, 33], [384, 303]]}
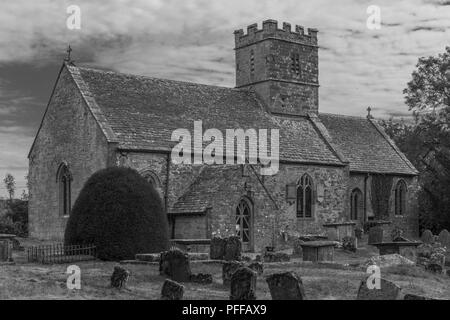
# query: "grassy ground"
{"points": [[32, 281]]}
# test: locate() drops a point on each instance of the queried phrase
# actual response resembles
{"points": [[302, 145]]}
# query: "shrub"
{"points": [[120, 213]]}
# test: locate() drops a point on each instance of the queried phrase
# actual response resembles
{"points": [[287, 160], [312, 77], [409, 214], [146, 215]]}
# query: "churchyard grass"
{"points": [[33, 281]]}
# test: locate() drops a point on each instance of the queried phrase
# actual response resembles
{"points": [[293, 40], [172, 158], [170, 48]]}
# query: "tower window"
{"points": [[295, 64], [252, 62]]}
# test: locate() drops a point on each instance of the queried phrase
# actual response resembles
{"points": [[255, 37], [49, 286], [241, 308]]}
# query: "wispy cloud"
{"points": [[193, 41]]}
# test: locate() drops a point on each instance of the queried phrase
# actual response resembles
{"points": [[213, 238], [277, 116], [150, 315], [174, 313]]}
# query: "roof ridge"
{"points": [[159, 79], [342, 115]]}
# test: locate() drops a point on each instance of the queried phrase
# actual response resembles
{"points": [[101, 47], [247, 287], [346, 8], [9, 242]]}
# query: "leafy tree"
{"points": [[426, 141], [10, 185], [119, 212]]}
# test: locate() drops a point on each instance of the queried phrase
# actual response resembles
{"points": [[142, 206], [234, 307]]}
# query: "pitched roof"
{"points": [[366, 146], [200, 195], [143, 112], [212, 180]]}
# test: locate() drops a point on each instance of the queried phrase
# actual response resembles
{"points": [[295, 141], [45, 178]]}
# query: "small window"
{"points": [[356, 204], [252, 62], [400, 198], [305, 197], [64, 180], [295, 64]]}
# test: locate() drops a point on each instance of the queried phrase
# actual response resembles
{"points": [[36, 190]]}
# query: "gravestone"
{"points": [[427, 237], [276, 257], [350, 244], [243, 284], [375, 235], [233, 249], [444, 239], [172, 290], [297, 248], [387, 291], [286, 286], [257, 267], [434, 267], [217, 248], [228, 268], [359, 233], [175, 264], [119, 277], [202, 278]]}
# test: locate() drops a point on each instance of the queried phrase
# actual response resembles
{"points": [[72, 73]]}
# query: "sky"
{"points": [[192, 40]]}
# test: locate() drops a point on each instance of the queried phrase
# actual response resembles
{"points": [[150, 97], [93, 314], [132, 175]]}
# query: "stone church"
{"points": [[332, 168]]}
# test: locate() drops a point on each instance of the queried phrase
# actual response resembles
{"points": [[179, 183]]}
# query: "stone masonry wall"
{"points": [[68, 134]]}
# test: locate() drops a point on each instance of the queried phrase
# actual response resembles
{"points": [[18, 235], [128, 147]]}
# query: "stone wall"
{"points": [[409, 222], [69, 134], [281, 65]]}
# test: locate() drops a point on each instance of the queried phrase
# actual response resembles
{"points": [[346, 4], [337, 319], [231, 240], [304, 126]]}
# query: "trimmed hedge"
{"points": [[121, 213]]}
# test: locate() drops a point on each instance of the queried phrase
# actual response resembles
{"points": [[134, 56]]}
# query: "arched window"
{"points": [[151, 177], [400, 198], [64, 180], [305, 197], [244, 221], [356, 204]]}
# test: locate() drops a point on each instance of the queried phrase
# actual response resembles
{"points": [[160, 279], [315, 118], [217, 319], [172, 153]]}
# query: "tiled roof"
{"points": [[143, 112], [205, 188], [365, 145]]}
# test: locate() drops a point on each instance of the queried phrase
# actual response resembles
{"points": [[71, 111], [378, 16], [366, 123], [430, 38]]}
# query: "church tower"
{"points": [[280, 65]]}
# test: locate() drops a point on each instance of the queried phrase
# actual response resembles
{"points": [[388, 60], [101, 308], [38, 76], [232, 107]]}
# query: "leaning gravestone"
{"points": [[175, 264], [286, 286], [387, 291], [375, 235], [228, 269], [444, 239], [119, 277], [172, 290], [233, 249], [427, 237], [217, 248], [243, 284]]}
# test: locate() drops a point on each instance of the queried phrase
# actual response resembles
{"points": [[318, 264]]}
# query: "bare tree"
{"points": [[10, 184]]}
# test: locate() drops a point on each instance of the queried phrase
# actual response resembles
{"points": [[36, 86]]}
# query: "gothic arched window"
{"points": [[400, 198], [305, 197], [356, 204], [64, 180]]}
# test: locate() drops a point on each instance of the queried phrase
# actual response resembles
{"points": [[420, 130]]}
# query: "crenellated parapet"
{"points": [[270, 30]]}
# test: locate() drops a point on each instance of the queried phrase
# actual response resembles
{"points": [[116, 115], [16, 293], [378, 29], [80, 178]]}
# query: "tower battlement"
{"points": [[270, 31]]}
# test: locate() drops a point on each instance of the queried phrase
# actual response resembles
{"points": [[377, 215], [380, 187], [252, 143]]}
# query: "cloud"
{"points": [[193, 41]]}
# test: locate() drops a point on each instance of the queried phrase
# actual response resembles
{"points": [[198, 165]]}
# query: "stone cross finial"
{"points": [[369, 116], [69, 50]]}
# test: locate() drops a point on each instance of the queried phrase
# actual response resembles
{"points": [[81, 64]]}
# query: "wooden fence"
{"points": [[59, 253]]}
